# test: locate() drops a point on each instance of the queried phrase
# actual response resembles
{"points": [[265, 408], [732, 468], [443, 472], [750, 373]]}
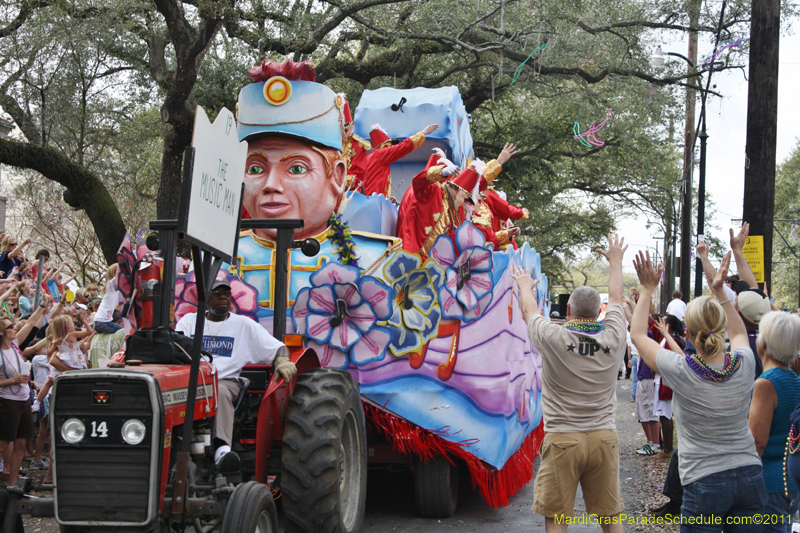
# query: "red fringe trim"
{"points": [[495, 486]]}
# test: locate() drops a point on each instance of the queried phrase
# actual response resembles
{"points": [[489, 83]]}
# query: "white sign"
{"points": [[217, 176]]}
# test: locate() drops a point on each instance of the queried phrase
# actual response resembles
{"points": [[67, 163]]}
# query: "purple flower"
{"points": [[340, 312], [467, 290]]}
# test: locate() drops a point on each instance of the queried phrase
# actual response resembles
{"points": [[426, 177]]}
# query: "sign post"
{"points": [[753, 251], [211, 205]]}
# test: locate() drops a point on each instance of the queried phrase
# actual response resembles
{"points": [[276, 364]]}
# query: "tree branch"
{"points": [[24, 12], [82, 183]]}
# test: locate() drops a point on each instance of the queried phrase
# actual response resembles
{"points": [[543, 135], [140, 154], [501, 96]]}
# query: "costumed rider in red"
{"points": [[435, 208], [439, 207], [502, 211], [378, 176], [355, 150], [485, 219], [482, 219], [234, 341], [445, 169]]}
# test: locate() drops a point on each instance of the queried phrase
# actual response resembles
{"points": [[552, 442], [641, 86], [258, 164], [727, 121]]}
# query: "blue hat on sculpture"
{"points": [[286, 100]]}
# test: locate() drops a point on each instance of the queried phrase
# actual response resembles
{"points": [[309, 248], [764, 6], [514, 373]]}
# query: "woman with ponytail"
{"points": [[720, 469]]}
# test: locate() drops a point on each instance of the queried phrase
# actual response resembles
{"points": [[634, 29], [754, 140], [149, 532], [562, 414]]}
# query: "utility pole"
{"points": [[762, 124], [688, 163]]}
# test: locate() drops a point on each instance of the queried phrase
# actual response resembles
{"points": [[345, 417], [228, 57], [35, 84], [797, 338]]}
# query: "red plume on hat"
{"points": [[348, 117], [292, 71], [378, 135]]}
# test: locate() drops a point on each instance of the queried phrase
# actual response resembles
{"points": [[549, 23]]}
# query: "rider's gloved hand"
{"points": [[284, 367]]}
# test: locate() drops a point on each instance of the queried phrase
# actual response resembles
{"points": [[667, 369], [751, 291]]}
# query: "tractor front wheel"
{"points": [[324, 460], [250, 509]]}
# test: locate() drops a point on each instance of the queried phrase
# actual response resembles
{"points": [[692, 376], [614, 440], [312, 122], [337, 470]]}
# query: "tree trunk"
{"points": [[762, 125], [169, 190]]}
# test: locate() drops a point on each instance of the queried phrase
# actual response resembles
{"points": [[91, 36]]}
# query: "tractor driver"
{"points": [[234, 341]]}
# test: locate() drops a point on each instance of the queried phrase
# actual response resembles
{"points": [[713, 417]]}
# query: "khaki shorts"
{"points": [[589, 458]]}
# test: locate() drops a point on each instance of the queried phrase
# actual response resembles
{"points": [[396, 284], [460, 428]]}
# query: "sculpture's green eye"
{"points": [[297, 169]]}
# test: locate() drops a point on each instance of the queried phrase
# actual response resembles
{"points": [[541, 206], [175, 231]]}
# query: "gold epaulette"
{"points": [[418, 139], [434, 174], [362, 143], [492, 170]]}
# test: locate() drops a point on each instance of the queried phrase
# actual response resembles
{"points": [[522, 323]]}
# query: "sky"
{"points": [[726, 127]]}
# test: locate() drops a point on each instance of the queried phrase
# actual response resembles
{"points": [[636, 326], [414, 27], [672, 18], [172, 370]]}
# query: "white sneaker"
{"points": [[647, 449], [220, 453]]}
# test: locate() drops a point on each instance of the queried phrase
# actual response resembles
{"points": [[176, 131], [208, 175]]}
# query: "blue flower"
{"points": [[416, 315]]}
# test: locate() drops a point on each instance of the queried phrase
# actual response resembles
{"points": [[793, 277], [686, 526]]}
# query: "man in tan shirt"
{"points": [[580, 361]]}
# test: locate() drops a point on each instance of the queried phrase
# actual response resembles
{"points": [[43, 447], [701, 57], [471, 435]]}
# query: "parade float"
{"points": [[437, 343]]}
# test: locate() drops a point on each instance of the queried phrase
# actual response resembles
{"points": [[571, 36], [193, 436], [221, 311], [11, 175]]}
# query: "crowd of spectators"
{"points": [[46, 328], [722, 369]]}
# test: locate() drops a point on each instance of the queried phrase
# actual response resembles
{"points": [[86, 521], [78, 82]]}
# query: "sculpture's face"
{"points": [[287, 178]]}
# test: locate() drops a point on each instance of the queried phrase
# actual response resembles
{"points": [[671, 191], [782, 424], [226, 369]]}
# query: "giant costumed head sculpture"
{"points": [[294, 163]]}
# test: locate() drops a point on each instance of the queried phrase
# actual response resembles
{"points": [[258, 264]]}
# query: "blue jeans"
{"points": [[780, 511], [107, 327], [634, 375], [726, 497]]}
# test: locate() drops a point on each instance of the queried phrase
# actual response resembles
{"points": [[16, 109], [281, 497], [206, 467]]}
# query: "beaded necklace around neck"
{"points": [[705, 372], [589, 327]]}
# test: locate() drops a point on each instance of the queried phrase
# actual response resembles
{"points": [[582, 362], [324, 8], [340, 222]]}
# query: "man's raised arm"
{"points": [[614, 255], [737, 246], [708, 268]]}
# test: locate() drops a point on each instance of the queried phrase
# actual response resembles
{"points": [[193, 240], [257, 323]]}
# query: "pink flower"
{"points": [[467, 290], [244, 297]]}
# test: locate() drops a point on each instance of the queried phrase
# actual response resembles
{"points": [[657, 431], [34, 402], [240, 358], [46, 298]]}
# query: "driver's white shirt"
{"points": [[234, 343]]}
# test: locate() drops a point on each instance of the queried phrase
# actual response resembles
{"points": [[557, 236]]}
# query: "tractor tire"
{"points": [[324, 456], [436, 487], [250, 509]]}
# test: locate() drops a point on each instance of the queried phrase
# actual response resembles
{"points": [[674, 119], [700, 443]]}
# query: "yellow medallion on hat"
{"points": [[277, 90]]}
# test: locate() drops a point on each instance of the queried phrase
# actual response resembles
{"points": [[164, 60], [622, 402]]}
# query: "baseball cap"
{"points": [[220, 282], [753, 304]]}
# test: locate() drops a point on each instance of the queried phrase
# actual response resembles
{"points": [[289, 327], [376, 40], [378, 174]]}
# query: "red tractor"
{"points": [[132, 445]]}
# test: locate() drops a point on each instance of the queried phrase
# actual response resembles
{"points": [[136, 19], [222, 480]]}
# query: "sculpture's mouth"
{"points": [[274, 208]]}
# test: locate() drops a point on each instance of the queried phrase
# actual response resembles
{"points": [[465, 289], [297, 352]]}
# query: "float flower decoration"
{"points": [[417, 314], [127, 255], [467, 289], [244, 297], [340, 312]]}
